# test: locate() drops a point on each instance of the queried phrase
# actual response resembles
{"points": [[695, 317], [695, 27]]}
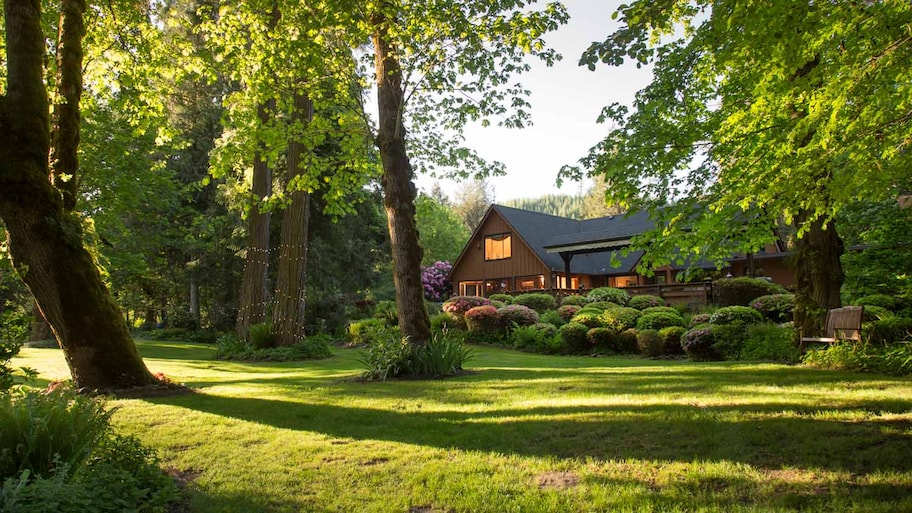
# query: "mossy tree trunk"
{"points": [[819, 274]]}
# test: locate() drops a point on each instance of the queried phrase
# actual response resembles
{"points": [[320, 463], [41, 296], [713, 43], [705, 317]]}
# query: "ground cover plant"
{"points": [[522, 432]]}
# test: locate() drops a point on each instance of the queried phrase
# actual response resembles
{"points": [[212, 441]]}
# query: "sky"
{"points": [[566, 101]]}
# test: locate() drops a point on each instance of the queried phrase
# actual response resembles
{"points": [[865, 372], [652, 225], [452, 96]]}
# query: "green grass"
{"points": [[524, 433]]}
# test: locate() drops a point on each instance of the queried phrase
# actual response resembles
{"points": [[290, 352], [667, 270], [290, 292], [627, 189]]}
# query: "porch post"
{"points": [[567, 257]]}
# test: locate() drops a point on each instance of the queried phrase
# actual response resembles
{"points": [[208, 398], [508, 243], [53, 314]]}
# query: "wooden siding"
{"points": [[473, 267]]}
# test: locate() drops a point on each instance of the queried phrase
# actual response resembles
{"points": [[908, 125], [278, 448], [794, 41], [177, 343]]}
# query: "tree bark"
{"points": [[44, 241], [291, 293], [254, 295], [41, 330], [398, 188], [195, 300], [64, 160], [819, 274]]}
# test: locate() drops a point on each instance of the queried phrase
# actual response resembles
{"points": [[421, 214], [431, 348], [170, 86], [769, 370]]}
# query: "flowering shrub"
{"points": [[483, 320], [659, 320], [699, 344], [517, 314], [621, 318], [698, 319], [775, 307], [539, 302], [611, 294], [590, 319], [459, 305], [645, 301], [574, 299], [567, 312], [732, 314], [433, 279]]}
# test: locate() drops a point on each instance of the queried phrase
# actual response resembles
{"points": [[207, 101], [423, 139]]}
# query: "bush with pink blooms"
{"points": [[483, 320]]}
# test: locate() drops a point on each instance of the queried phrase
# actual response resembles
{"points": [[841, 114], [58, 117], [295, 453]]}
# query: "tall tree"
{"points": [[44, 238], [758, 111], [472, 201]]}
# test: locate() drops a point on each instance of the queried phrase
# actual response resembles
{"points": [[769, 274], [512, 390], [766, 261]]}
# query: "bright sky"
{"points": [[566, 100]]}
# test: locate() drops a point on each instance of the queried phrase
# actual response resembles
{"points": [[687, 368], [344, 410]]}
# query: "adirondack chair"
{"points": [[841, 324]]}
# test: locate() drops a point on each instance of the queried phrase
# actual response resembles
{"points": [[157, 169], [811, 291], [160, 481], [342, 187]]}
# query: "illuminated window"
{"points": [[470, 288], [530, 282], [497, 247]]}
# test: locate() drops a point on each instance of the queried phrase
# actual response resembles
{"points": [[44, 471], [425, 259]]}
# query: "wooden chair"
{"points": [[841, 324]]}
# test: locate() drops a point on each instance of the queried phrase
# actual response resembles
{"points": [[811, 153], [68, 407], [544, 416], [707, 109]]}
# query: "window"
{"points": [[530, 282], [497, 286], [470, 288], [562, 282], [497, 247]]}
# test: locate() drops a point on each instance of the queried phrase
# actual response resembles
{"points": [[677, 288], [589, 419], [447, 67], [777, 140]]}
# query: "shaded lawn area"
{"points": [[524, 433]]}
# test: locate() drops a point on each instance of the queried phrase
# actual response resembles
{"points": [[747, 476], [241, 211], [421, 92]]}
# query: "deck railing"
{"points": [[696, 294]]}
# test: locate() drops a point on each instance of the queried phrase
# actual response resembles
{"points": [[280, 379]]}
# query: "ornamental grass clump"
{"points": [[610, 294], [517, 315]]}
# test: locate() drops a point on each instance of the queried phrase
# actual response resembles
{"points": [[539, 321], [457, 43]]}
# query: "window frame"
{"points": [[506, 249]]}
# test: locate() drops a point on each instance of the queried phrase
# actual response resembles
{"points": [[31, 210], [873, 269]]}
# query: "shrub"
{"points": [[671, 339], [698, 319], [875, 313], [553, 317], [536, 338], [649, 342], [459, 305], [602, 339], [602, 305], [539, 302], [775, 307], [659, 320], [699, 344], [732, 314], [573, 336], [621, 318], [567, 312], [444, 322], [613, 295], [590, 319], [729, 339], [260, 335], [506, 299], [662, 309], [14, 330], [498, 304], [880, 300], [885, 331], [433, 280], [770, 342], [626, 341], [365, 331], [483, 320], [741, 291], [386, 358], [386, 311], [229, 347], [644, 301], [574, 299], [442, 355], [518, 315]]}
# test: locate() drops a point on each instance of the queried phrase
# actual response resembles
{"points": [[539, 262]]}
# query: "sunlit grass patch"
{"points": [[524, 433]]}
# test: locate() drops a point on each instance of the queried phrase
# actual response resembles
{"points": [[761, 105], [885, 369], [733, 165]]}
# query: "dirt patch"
{"points": [[182, 478], [427, 508], [557, 480], [374, 461]]}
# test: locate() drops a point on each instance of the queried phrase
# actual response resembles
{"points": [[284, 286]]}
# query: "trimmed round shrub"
{"points": [[662, 309], [881, 300], [875, 313], [733, 314], [650, 343], [506, 299], [539, 302], [625, 342], [553, 317], [888, 330], [770, 342], [517, 314], [545, 328], [586, 309], [601, 339], [659, 320], [645, 301], [498, 304], [775, 307], [741, 291], [698, 319], [573, 335], [567, 312], [729, 339], [610, 294], [602, 305], [483, 320], [621, 318], [671, 339], [699, 344], [364, 331], [590, 319], [574, 299], [461, 304]]}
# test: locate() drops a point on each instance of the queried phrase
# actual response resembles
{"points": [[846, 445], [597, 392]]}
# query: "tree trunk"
{"points": [[818, 273], [194, 300], [64, 159], [44, 241], [41, 330], [290, 296], [254, 296], [398, 189]]}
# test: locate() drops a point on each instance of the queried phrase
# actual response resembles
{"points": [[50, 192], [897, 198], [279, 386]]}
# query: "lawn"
{"points": [[523, 433]]}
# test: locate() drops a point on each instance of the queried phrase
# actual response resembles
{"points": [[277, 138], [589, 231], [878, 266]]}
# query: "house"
{"points": [[515, 250]]}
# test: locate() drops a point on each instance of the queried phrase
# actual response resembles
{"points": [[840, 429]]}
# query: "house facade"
{"points": [[515, 251]]}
